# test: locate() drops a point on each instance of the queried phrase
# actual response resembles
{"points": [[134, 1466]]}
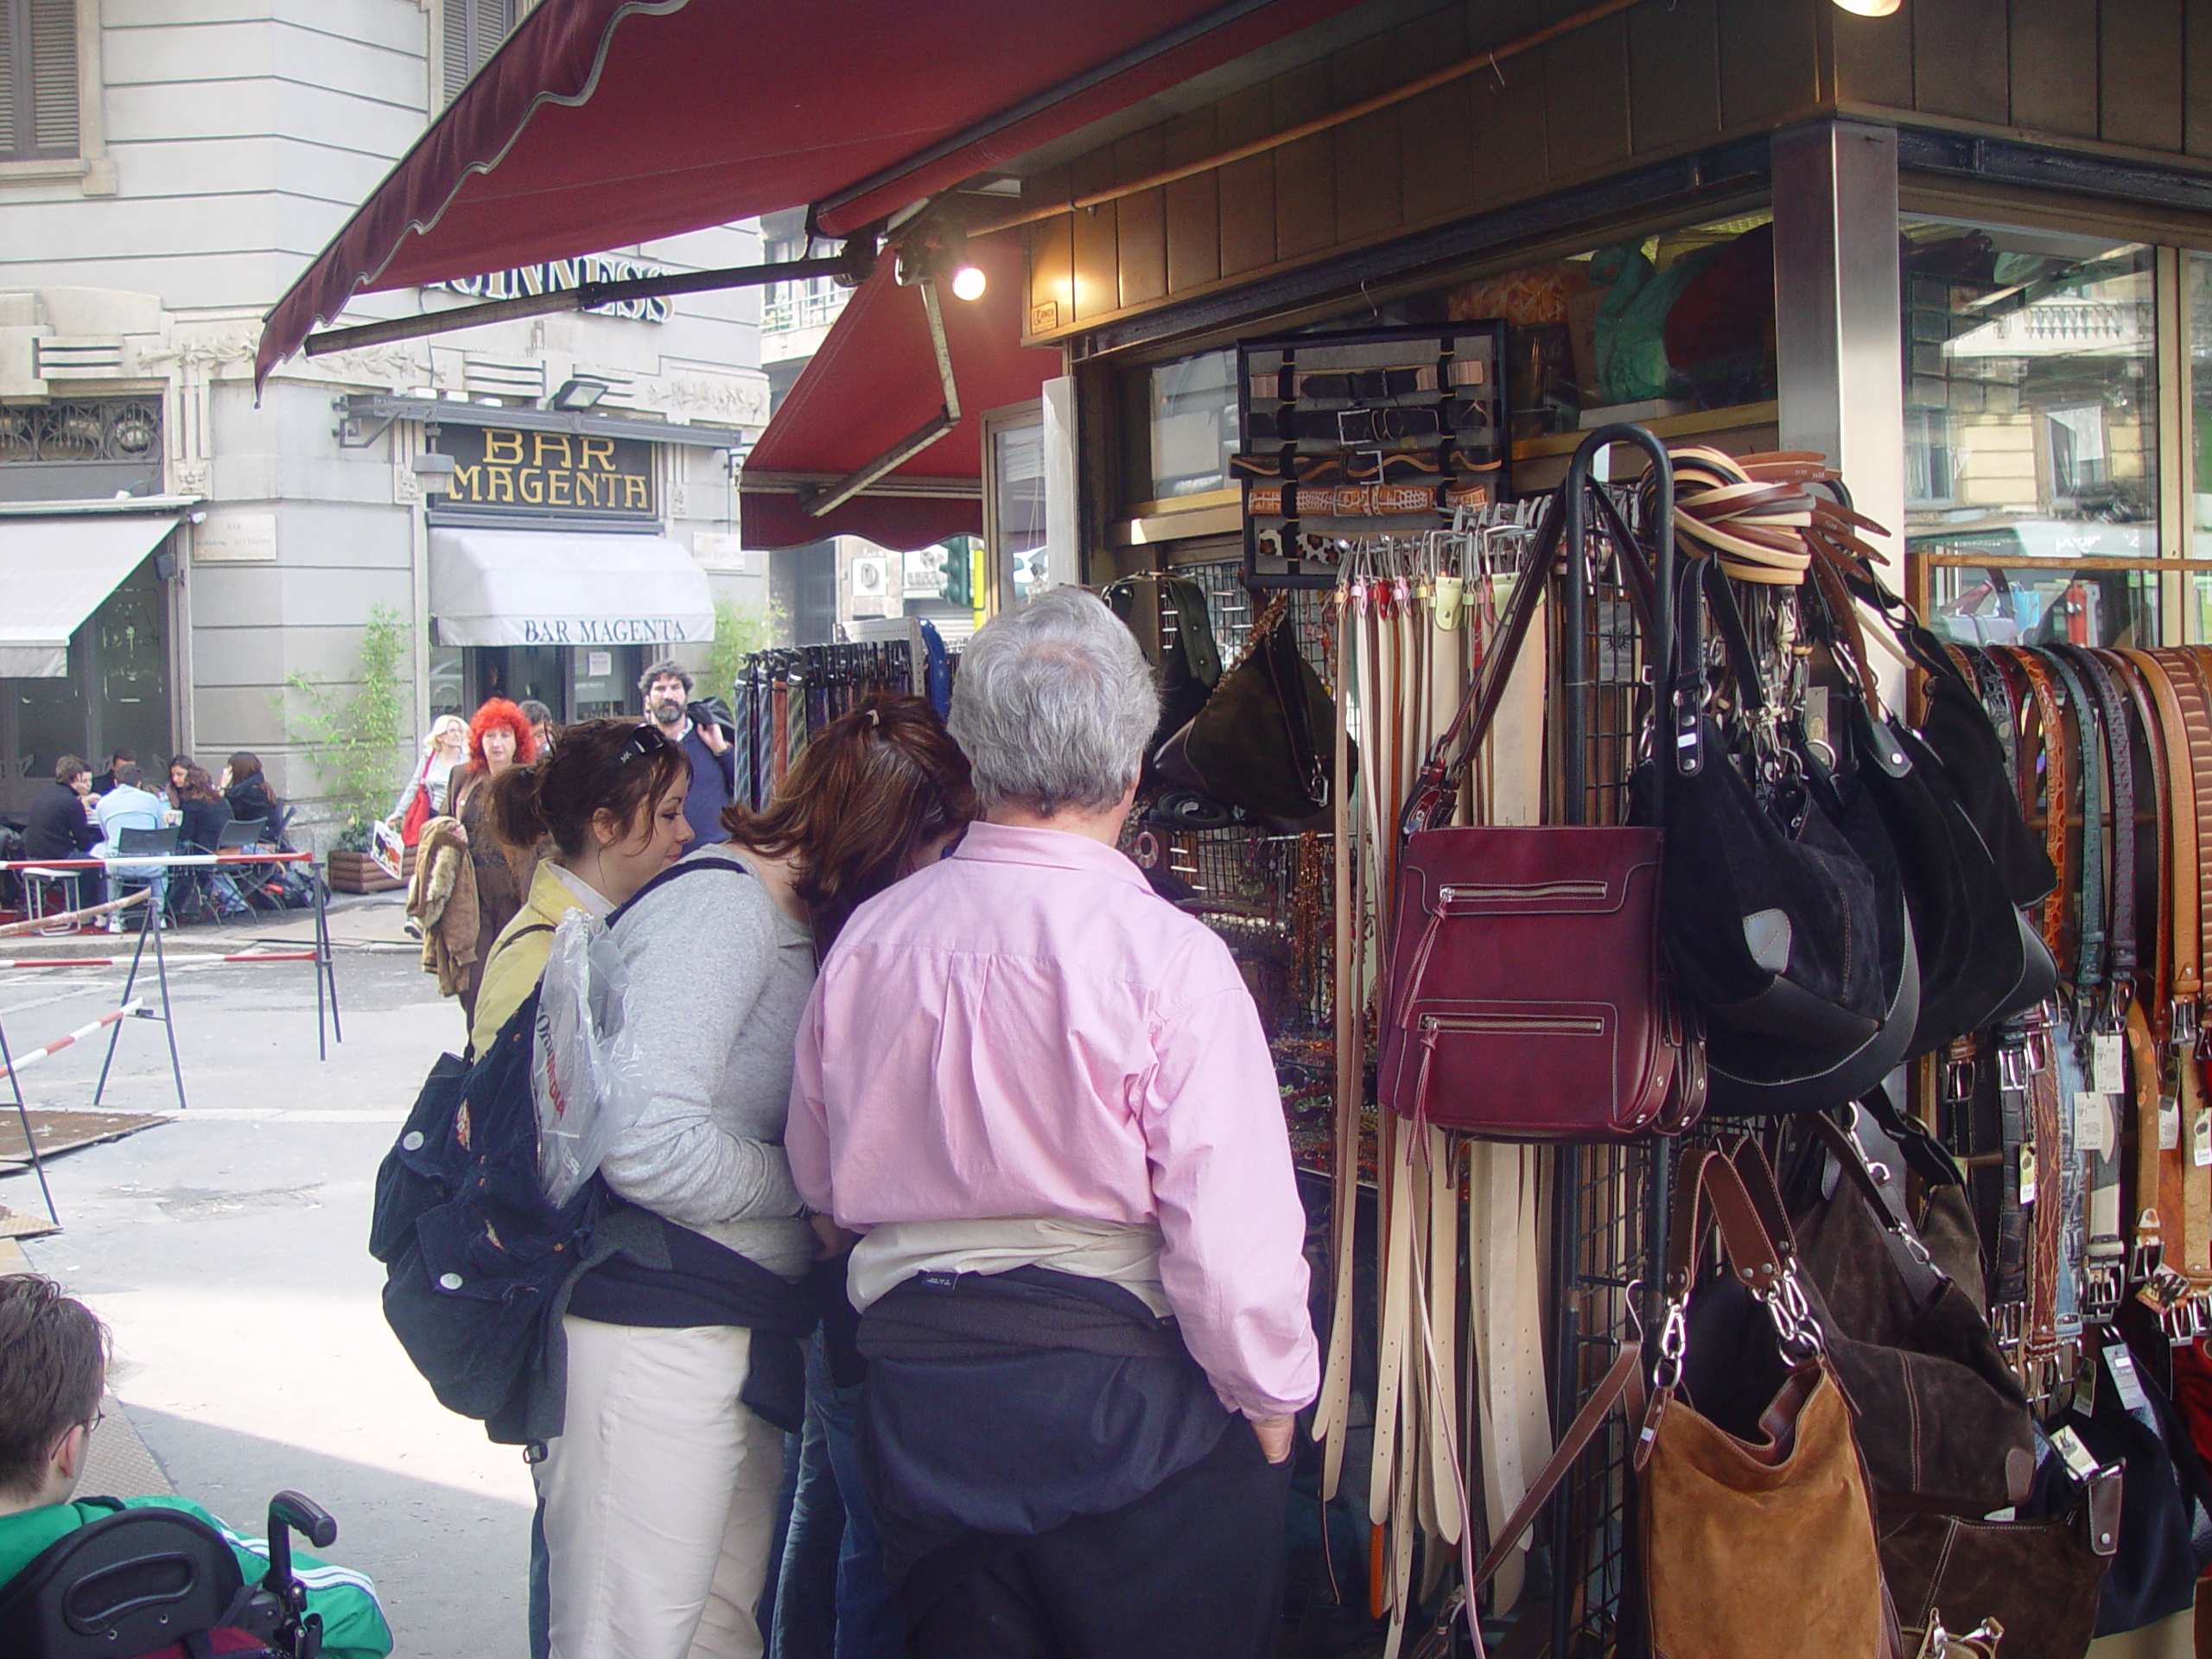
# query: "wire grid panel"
{"points": [[1606, 1209], [1271, 899], [1228, 608]]}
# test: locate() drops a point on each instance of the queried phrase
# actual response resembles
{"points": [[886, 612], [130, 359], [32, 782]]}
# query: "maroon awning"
{"points": [[602, 123], [875, 381]]}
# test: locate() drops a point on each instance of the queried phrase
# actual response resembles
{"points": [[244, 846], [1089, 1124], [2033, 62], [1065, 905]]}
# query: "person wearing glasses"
{"points": [[681, 1344], [53, 1359]]}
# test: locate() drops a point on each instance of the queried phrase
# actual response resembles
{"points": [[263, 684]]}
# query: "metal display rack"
{"points": [[1370, 432]]}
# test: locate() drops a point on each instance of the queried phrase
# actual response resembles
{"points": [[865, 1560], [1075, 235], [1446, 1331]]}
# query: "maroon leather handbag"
{"points": [[1523, 999]]}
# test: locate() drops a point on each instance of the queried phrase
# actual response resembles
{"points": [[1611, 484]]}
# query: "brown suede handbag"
{"points": [[2040, 1579], [1763, 1546], [1941, 1416]]}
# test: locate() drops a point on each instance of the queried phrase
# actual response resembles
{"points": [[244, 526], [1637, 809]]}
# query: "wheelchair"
{"points": [[143, 1583]]}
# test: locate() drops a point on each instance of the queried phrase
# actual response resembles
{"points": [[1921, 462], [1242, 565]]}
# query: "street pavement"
{"points": [[226, 1251]]}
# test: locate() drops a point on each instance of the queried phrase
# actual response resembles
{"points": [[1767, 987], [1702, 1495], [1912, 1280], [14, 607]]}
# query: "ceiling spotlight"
{"points": [[968, 283], [577, 392], [1869, 8]]}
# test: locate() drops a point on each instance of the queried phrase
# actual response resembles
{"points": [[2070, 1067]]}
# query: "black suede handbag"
{"points": [[1980, 960], [1262, 741], [1781, 907]]}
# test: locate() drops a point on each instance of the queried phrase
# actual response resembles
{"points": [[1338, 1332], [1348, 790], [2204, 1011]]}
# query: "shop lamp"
{"points": [[578, 392], [1869, 8], [968, 283]]}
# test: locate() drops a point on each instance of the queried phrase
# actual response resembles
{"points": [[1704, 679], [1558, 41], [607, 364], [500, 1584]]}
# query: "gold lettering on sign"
{"points": [[554, 470]]}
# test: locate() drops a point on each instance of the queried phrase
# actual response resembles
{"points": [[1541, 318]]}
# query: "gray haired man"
{"points": [[1043, 1097]]}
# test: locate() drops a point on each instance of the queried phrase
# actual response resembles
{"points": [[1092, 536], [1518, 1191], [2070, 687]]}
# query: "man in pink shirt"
{"points": [[1042, 1096]]}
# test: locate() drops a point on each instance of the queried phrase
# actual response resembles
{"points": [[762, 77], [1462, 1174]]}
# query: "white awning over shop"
{"points": [[53, 574], [542, 588]]}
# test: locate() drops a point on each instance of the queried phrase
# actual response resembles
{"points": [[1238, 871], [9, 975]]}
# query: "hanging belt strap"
{"points": [[2190, 916], [2046, 1237], [2058, 799], [2177, 1019], [2152, 1227], [2115, 715], [2017, 1176], [1997, 700], [2093, 888], [2154, 972]]}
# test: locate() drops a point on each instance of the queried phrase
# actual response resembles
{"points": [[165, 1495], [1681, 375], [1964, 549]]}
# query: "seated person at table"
{"points": [[61, 823], [54, 1354], [131, 805]]}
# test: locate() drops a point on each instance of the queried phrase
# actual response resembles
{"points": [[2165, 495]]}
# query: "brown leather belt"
{"points": [[2058, 799]]}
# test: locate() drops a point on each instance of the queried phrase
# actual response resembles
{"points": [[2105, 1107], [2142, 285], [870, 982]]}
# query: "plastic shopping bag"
{"points": [[585, 1076]]}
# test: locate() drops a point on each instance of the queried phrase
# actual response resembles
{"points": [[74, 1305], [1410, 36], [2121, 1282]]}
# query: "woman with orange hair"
{"points": [[498, 737]]}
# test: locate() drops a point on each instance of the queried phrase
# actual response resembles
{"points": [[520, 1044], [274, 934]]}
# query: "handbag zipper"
{"points": [[1533, 890], [1536, 1024]]}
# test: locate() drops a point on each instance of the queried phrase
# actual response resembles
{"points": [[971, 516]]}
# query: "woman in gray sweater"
{"points": [[684, 1369]]}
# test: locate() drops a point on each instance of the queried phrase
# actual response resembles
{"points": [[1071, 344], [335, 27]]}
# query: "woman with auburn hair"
{"points": [[681, 1362], [498, 737]]}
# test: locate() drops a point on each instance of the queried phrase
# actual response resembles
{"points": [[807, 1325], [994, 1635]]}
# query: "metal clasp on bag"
{"points": [[1796, 1328], [1674, 1343]]}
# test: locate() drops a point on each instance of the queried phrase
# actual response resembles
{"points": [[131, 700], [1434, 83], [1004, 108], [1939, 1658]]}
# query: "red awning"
{"points": [[602, 123], [875, 381]]}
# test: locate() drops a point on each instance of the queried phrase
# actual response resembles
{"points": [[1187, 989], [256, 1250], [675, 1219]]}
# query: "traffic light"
{"points": [[958, 566]]}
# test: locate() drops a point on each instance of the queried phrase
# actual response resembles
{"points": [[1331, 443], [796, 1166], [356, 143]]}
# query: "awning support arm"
{"points": [[832, 497], [853, 263]]}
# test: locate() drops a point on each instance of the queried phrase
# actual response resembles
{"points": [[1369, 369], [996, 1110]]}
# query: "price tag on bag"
{"points": [[2121, 1364], [2095, 1127], [2169, 1123], [2108, 1075], [2080, 1461]]}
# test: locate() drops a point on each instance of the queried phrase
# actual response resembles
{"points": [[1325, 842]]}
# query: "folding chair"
{"points": [[153, 844]]}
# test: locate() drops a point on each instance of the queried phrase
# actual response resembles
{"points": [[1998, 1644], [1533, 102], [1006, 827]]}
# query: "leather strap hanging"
{"points": [[2058, 800], [2175, 1018], [2115, 713], [2085, 726], [2154, 970], [2189, 695]]}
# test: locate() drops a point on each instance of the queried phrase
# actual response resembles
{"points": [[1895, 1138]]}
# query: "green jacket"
{"points": [[352, 1624]]}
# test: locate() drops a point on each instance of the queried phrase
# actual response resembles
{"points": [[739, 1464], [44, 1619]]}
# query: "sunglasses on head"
{"points": [[644, 741]]}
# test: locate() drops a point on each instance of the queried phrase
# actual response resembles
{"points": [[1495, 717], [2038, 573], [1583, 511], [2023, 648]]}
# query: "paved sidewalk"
{"points": [[226, 1251]]}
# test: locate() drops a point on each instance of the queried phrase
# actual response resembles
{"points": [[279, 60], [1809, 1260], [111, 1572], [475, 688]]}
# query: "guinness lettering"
{"points": [[553, 475], [562, 274]]}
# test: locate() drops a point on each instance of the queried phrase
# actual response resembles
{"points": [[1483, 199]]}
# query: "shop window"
{"points": [[38, 80], [2032, 433], [1014, 526], [1648, 328], [1189, 426], [470, 32]]}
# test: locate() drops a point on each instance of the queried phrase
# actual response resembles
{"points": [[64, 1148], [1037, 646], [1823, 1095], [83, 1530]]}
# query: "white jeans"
{"points": [[660, 1497]]}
